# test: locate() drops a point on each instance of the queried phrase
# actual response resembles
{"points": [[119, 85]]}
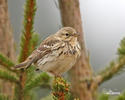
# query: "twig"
{"points": [[111, 70]]}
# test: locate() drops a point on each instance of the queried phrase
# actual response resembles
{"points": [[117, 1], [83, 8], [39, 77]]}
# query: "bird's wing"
{"points": [[46, 47]]}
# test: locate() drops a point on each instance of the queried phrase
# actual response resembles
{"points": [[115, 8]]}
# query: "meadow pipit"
{"points": [[56, 54]]}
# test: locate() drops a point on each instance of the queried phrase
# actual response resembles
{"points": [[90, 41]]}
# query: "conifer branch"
{"points": [[114, 67], [29, 12], [110, 71], [30, 73], [17, 92], [60, 89], [39, 80], [103, 96], [3, 97], [9, 76], [6, 62], [34, 41], [26, 40], [121, 96]]}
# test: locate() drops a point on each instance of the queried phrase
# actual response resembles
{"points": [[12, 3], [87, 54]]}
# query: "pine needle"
{"points": [[6, 62], [9, 76], [39, 80]]}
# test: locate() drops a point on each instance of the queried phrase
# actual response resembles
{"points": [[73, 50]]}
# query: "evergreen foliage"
{"points": [[60, 89], [116, 66], [3, 97], [7, 75], [121, 49], [34, 41], [39, 80], [121, 96], [27, 32], [103, 97], [6, 62]]}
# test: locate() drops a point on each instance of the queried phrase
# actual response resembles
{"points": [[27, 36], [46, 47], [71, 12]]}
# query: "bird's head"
{"points": [[67, 34]]}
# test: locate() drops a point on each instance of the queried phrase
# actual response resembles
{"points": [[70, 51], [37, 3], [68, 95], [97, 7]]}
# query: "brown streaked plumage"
{"points": [[56, 54]]}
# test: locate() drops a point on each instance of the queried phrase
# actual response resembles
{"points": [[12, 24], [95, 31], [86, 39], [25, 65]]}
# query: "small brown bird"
{"points": [[56, 54]]}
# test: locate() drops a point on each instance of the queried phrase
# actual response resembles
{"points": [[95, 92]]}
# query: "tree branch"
{"points": [[60, 89], [114, 67], [7, 75], [39, 80], [110, 71], [26, 40], [6, 62], [29, 12], [4, 97]]}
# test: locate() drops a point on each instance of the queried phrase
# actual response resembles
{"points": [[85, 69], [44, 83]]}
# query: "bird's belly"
{"points": [[59, 65]]}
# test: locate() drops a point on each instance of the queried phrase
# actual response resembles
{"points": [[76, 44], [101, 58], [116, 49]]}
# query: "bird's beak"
{"points": [[76, 35]]}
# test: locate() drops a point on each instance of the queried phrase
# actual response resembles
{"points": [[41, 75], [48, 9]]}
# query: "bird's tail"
{"points": [[26, 64], [21, 65]]}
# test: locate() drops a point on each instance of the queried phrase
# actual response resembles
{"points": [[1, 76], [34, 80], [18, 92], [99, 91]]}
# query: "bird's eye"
{"points": [[67, 34]]}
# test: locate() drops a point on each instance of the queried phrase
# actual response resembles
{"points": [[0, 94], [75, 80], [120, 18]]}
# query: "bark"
{"points": [[6, 44], [83, 86]]}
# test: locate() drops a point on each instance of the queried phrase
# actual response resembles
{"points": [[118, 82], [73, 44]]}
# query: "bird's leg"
{"points": [[54, 74]]}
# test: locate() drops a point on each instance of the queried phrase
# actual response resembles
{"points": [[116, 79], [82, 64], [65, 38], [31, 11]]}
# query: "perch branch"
{"points": [[60, 89]]}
